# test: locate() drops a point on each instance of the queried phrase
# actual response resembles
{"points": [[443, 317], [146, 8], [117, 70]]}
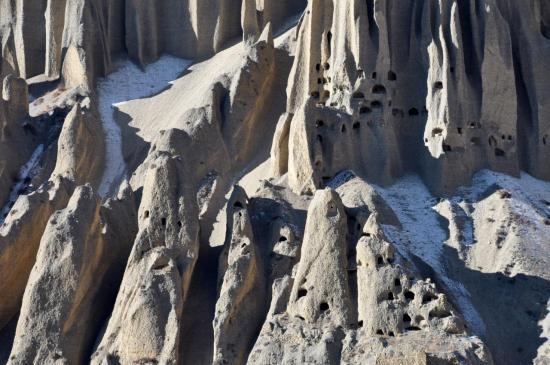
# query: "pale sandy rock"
{"points": [[70, 289], [240, 306], [249, 21], [357, 64], [391, 300], [144, 325], [80, 148], [30, 43], [320, 287], [333, 255], [55, 21], [20, 239], [279, 148]]}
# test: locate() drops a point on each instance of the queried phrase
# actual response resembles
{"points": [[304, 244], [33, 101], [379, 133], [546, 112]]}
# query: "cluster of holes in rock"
{"points": [[407, 320], [321, 80], [475, 141]]}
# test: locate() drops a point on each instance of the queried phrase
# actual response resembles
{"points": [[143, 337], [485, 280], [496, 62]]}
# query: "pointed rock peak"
{"points": [[267, 35], [238, 199], [373, 228], [326, 203], [9, 60], [15, 90], [321, 289]]}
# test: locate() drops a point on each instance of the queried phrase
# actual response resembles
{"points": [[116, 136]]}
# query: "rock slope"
{"points": [[322, 182]]}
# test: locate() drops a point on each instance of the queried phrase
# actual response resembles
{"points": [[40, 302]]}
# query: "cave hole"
{"points": [[318, 67], [238, 204], [302, 293], [447, 148], [406, 318], [390, 296], [373, 75], [356, 125], [413, 112], [364, 110], [163, 221], [428, 297], [323, 306], [436, 131], [146, 214], [380, 260], [397, 282], [409, 295], [499, 152], [343, 128], [438, 85], [378, 89], [319, 123], [358, 95], [379, 332], [392, 76], [283, 239], [376, 104]]}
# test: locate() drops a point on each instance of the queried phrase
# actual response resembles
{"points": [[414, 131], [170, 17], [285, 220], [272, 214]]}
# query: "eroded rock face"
{"points": [[370, 306], [79, 39], [372, 77], [240, 306], [144, 324], [264, 208], [320, 288], [73, 283], [20, 239], [80, 156], [392, 301]]}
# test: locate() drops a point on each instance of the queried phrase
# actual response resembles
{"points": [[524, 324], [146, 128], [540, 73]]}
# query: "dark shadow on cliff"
{"points": [[7, 335], [197, 335], [510, 307], [134, 148]]}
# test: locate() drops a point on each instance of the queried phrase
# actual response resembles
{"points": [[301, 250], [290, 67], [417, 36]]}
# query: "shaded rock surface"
{"points": [[322, 182]]}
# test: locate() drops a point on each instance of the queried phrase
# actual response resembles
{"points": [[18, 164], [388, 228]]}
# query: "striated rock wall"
{"points": [[384, 73], [79, 39], [288, 144]]}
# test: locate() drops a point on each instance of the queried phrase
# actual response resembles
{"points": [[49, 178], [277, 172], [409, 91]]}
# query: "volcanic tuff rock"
{"points": [[324, 182]]}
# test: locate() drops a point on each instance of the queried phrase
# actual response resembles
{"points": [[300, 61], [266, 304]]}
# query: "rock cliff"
{"points": [[274, 182]]}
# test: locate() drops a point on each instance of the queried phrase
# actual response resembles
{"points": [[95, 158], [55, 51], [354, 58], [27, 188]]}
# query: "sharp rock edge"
{"points": [[274, 182]]}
